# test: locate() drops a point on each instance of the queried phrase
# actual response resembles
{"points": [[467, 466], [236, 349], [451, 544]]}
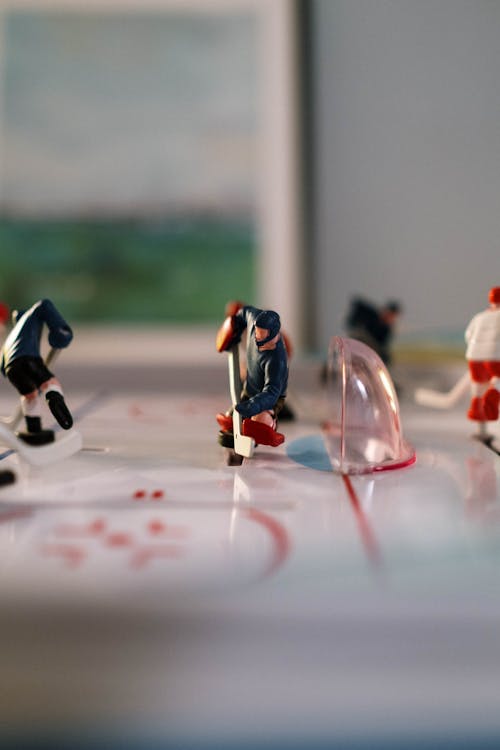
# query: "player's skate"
{"points": [[41, 455], [57, 406], [34, 434]]}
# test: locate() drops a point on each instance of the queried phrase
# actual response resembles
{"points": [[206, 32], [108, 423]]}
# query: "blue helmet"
{"points": [[269, 320]]}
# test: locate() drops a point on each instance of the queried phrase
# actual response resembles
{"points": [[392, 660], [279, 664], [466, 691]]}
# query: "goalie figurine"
{"points": [[22, 364], [264, 390]]}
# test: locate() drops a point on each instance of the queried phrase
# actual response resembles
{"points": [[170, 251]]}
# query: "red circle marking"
{"points": [[280, 537]]}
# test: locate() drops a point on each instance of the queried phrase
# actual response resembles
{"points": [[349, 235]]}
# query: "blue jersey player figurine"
{"points": [[265, 386], [22, 364], [373, 326]]}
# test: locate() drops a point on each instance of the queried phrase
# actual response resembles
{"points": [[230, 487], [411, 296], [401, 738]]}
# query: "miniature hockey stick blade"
{"points": [[243, 446], [44, 454], [14, 420], [437, 400]]}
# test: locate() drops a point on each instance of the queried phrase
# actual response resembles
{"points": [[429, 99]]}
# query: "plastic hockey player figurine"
{"points": [[22, 364], [287, 413], [260, 400], [483, 356], [373, 326]]}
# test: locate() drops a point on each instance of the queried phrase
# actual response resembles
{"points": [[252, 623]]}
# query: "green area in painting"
{"points": [[175, 271]]}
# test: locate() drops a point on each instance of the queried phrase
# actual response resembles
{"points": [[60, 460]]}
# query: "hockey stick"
{"points": [[243, 445], [14, 420], [437, 400], [43, 454]]}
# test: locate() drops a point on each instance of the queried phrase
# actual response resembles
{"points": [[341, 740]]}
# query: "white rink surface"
{"points": [[148, 590]]}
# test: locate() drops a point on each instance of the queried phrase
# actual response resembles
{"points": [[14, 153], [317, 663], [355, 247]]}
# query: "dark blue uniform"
{"points": [[267, 371], [20, 357]]}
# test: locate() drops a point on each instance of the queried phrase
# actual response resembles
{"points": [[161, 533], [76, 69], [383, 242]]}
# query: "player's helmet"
{"points": [[269, 320], [494, 295], [393, 306]]}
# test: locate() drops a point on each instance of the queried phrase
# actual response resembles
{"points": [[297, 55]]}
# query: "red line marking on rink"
{"points": [[282, 543], [153, 495], [367, 536], [144, 555], [13, 515], [156, 527], [136, 412], [97, 526], [119, 539], [94, 528], [72, 554], [189, 408]]}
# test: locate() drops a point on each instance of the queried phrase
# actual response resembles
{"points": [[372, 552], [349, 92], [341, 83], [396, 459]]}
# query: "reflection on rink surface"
{"points": [[150, 591]]}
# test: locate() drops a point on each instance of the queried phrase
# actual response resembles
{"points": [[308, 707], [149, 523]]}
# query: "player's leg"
{"points": [[31, 409], [480, 377], [20, 375], [491, 399], [31, 374], [54, 396]]}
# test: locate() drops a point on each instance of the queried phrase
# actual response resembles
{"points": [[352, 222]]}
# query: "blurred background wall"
{"points": [[406, 158], [158, 158]]}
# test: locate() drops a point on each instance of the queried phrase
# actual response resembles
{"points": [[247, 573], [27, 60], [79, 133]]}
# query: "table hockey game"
{"points": [[153, 596]]}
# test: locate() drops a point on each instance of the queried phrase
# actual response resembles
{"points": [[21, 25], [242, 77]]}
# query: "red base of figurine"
{"points": [[262, 433]]}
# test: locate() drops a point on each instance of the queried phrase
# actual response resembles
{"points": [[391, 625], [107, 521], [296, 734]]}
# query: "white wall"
{"points": [[407, 161]]}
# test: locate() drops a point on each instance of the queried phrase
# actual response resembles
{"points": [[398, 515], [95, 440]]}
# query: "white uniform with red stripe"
{"points": [[483, 336]]}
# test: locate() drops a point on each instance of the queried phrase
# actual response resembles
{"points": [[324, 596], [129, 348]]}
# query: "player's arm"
{"points": [[271, 392], [60, 333], [263, 401]]}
